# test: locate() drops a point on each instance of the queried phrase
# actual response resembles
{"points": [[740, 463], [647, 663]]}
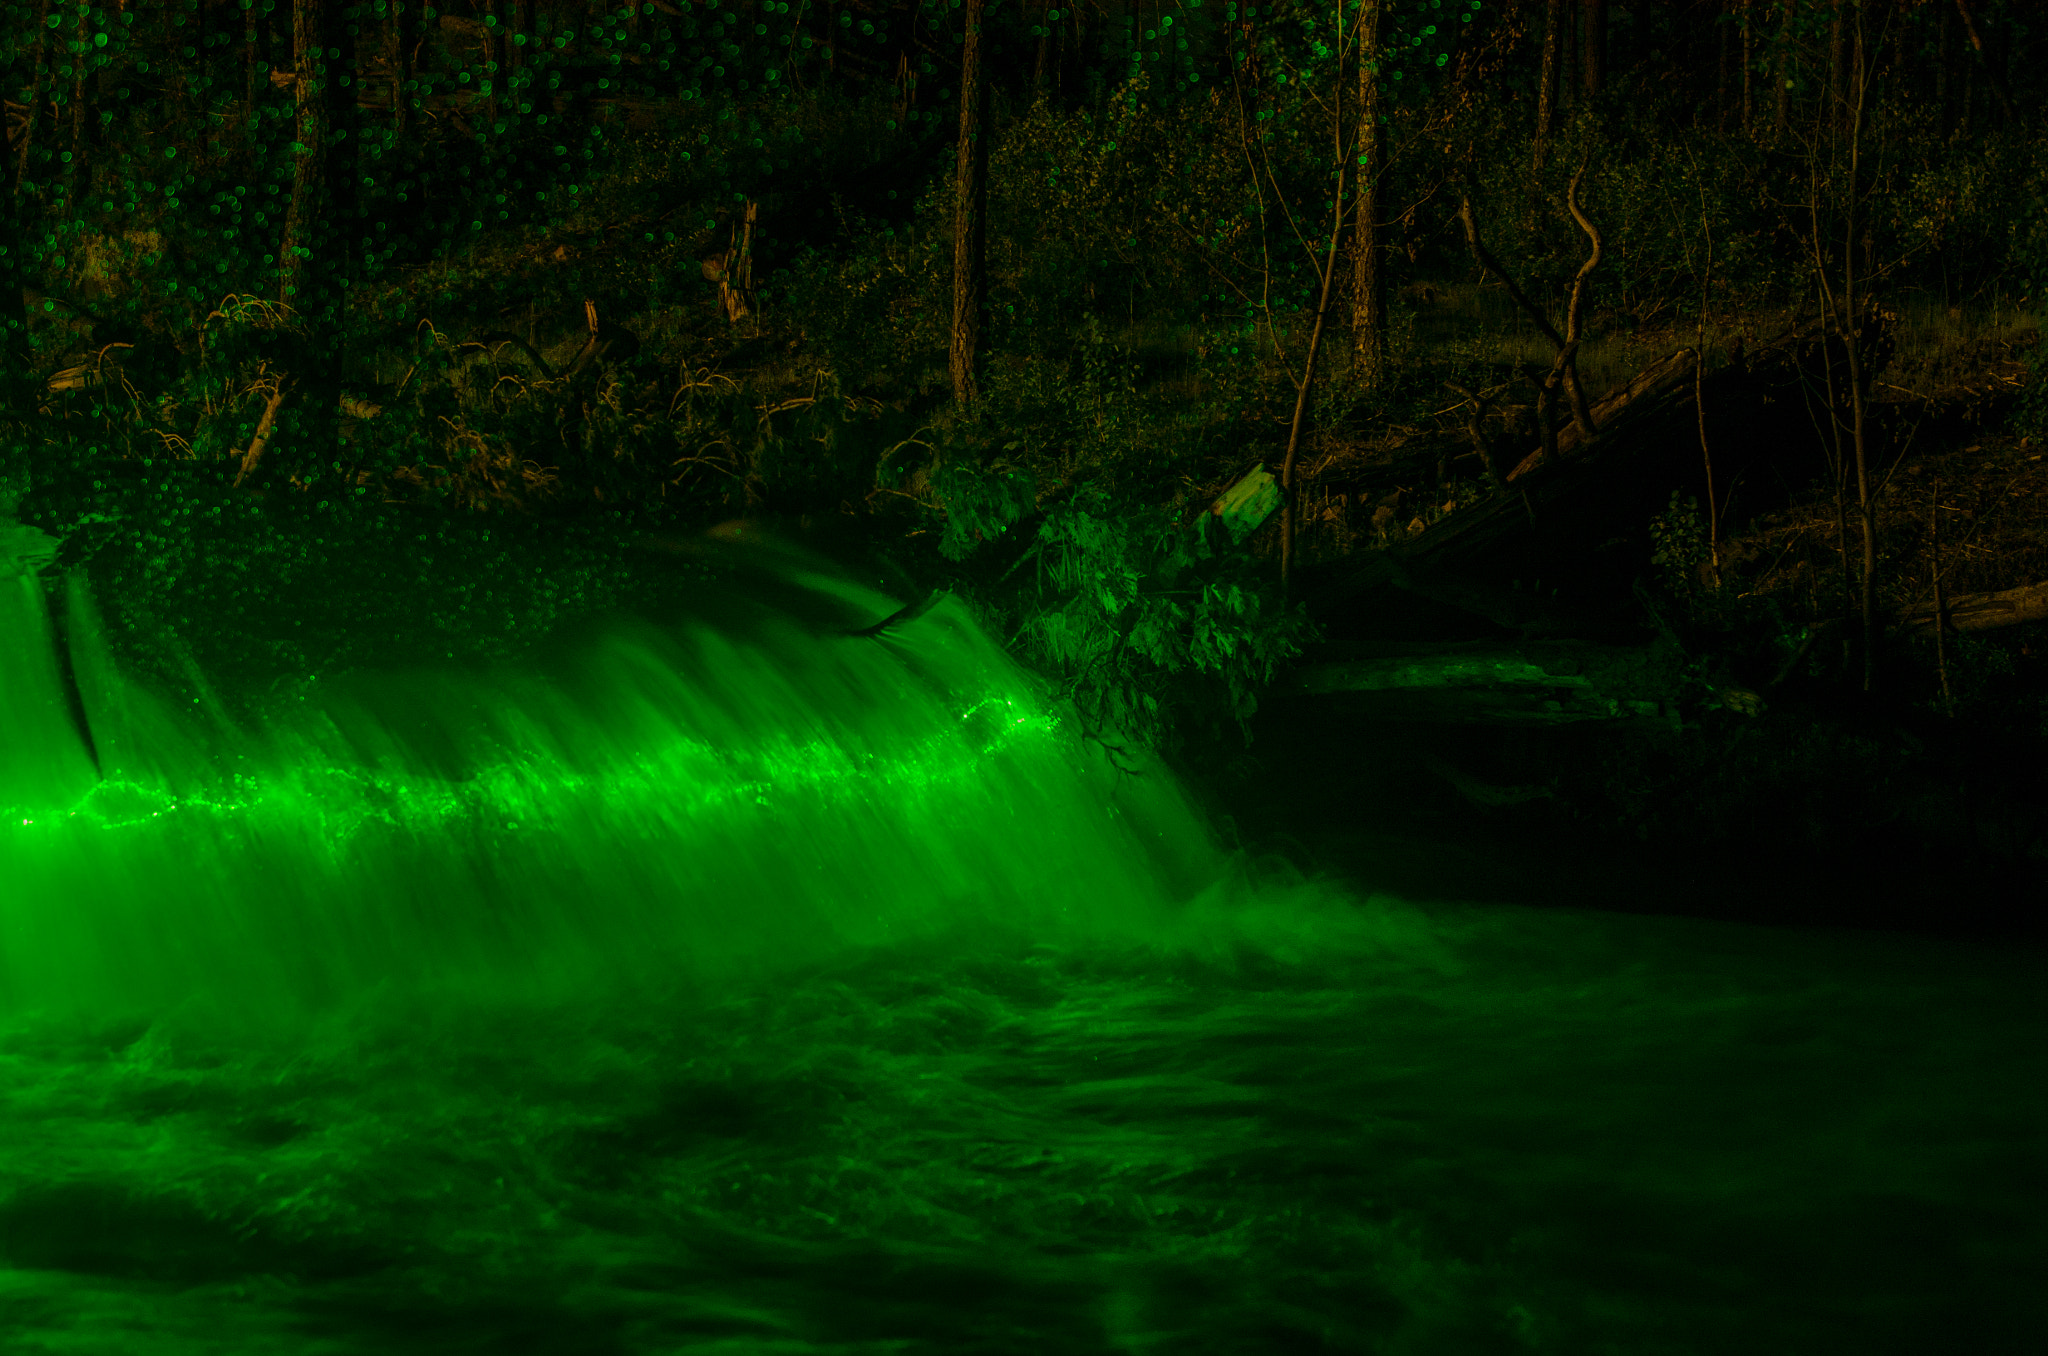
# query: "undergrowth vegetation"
{"points": [[703, 309]]}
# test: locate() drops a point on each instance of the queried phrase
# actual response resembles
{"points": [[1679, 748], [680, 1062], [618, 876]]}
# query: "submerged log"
{"points": [[1478, 682]]}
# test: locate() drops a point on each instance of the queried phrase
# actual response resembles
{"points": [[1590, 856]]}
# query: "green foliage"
{"points": [[981, 504], [1679, 548], [1145, 614], [1144, 623]]}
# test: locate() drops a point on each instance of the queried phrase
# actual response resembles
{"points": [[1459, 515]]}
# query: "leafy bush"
{"points": [[1143, 623]]}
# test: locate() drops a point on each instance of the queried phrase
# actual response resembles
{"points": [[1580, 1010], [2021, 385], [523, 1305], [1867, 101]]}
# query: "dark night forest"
{"points": [[934, 676]]}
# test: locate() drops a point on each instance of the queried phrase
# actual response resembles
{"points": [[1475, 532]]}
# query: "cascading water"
{"points": [[714, 980], [640, 803]]}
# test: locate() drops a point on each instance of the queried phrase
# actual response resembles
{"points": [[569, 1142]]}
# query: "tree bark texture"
{"points": [[970, 216], [37, 88], [313, 272], [77, 175], [1546, 84], [1289, 515], [1991, 71], [1593, 46], [1744, 9], [1783, 66], [1983, 611], [309, 149], [1368, 258], [17, 386], [403, 36]]}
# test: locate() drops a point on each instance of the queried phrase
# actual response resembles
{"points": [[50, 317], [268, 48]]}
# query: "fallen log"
{"points": [[1478, 682], [1551, 512], [1986, 611], [1665, 375]]}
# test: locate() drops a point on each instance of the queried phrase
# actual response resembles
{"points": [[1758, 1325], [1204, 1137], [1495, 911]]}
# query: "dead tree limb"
{"points": [[1564, 370], [263, 427]]}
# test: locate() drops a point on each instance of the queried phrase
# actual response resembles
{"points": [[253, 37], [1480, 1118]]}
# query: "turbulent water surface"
{"points": [[698, 987]]}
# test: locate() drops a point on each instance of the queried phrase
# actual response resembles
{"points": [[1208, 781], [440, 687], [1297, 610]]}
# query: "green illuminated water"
{"points": [[724, 984], [644, 804]]}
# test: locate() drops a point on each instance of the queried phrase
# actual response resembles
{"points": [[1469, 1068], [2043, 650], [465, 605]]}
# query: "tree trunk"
{"points": [[18, 392], [1866, 502], [1838, 73], [491, 77], [1368, 260], [1546, 83], [77, 176], [970, 204], [734, 273], [1944, 75], [1991, 71], [248, 67], [1564, 371], [37, 88], [313, 255], [309, 151], [1748, 61], [402, 23], [1784, 66], [1593, 47], [1721, 82], [1343, 153], [1044, 45]]}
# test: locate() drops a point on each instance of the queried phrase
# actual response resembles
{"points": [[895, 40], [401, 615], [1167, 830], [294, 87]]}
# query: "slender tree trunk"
{"points": [[17, 382], [313, 272], [309, 154], [1044, 45], [1843, 310], [37, 89], [1744, 9], [1992, 74], [1368, 258], [1344, 152], [1582, 411], [1546, 82], [1944, 76], [1784, 66], [249, 49], [970, 204], [401, 70], [1564, 371], [1838, 75], [1866, 503], [1948, 698], [83, 37], [1593, 48], [1721, 82], [515, 52], [491, 77]]}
